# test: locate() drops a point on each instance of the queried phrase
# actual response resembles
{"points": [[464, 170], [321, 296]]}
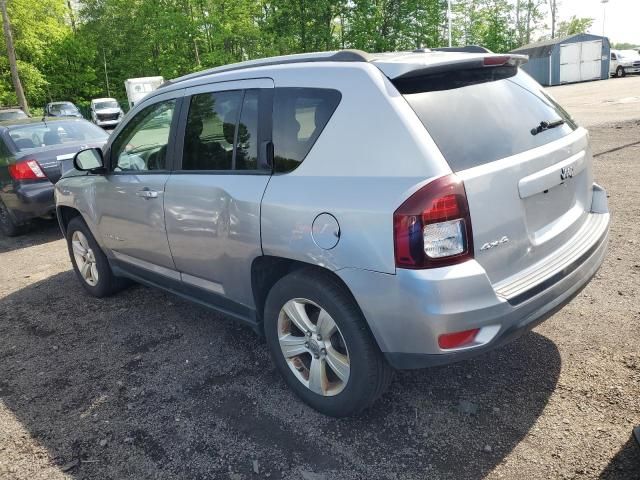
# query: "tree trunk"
{"points": [[553, 7], [11, 53], [519, 28], [528, 28], [72, 16]]}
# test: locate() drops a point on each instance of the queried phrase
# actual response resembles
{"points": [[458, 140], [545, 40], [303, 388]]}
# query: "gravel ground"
{"points": [[145, 385], [595, 103]]}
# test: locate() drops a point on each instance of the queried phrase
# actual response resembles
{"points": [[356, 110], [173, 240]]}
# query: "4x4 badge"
{"points": [[495, 243]]}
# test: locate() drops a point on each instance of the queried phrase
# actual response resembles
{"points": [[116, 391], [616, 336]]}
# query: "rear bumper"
{"points": [[26, 201], [407, 312]]}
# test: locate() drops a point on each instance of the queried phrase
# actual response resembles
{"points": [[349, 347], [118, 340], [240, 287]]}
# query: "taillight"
{"points": [[26, 170], [432, 228]]}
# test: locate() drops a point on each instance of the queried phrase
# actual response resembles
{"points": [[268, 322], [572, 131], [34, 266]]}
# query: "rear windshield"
{"points": [[55, 133], [62, 108], [12, 115], [107, 104], [476, 121]]}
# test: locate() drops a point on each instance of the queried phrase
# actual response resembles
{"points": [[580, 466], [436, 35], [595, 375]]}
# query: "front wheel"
{"points": [[620, 72], [320, 342], [89, 261]]}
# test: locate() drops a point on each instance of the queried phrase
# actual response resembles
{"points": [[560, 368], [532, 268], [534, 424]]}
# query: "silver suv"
{"points": [[362, 212]]}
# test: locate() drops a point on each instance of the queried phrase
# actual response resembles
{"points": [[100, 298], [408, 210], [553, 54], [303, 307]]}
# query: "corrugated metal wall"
{"points": [[538, 68]]}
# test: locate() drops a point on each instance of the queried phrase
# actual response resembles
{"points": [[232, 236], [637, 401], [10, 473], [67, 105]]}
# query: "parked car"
{"points": [[12, 113], [363, 212], [33, 155], [106, 112], [61, 109], [624, 62]]}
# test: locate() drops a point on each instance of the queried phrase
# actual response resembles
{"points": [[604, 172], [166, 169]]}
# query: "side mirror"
{"points": [[89, 160]]}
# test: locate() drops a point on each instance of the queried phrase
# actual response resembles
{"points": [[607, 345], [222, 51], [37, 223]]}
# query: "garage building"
{"points": [[576, 58]]}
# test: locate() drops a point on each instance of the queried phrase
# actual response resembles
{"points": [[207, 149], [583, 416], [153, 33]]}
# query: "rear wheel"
{"points": [[322, 346], [89, 261], [620, 72], [7, 225]]}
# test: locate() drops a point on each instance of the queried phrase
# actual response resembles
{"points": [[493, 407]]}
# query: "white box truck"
{"points": [[138, 88]]}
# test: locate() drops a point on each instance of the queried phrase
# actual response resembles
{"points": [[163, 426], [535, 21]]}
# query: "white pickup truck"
{"points": [[623, 62], [138, 88]]}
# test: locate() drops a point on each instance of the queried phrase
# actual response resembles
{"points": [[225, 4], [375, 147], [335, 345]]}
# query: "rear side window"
{"points": [[299, 116], [477, 121]]}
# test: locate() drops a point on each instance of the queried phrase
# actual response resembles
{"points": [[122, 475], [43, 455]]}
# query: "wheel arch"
{"points": [[65, 214], [266, 270]]}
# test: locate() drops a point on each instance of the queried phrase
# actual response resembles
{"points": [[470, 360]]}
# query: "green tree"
{"points": [[11, 56], [574, 25]]}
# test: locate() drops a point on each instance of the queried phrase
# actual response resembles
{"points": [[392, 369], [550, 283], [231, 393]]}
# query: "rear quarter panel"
{"points": [[371, 156]]}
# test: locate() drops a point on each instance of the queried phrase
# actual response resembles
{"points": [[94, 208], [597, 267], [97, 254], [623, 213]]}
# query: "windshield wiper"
{"points": [[546, 126]]}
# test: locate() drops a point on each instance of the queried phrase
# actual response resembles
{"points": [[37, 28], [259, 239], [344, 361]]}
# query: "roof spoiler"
{"points": [[465, 63]]}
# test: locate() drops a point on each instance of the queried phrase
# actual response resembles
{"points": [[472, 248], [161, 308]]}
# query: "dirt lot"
{"points": [[595, 103], [144, 385]]}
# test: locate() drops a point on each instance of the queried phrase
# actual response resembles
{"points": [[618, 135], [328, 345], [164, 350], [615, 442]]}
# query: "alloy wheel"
{"points": [[85, 258], [313, 347]]}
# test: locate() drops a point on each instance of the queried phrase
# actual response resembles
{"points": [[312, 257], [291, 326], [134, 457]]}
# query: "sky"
{"points": [[622, 17]]}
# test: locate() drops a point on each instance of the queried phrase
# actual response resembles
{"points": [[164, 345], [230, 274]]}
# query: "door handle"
{"points": [[146, 193]]}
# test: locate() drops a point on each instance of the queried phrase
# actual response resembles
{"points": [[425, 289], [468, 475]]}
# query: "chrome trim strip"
{"points": [[550, 177], [526, 283]]}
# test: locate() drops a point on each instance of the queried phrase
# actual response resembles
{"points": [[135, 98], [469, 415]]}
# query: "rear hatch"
{"points": [[525, 164]]}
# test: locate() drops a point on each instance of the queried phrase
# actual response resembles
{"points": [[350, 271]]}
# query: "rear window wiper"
{"points": [[546, 126]]}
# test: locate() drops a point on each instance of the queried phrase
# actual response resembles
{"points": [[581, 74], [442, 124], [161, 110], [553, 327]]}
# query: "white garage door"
{"points": [[591, 67], [580, 61]]}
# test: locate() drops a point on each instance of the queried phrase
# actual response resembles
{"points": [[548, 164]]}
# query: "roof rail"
{"points": [[465, 49], [334, 56]]}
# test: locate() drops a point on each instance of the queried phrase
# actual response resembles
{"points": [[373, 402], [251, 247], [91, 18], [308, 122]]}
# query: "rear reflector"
{"points": [[26, 170], [457, 339], [432, 228]]}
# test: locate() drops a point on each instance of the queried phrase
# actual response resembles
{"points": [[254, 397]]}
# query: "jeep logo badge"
{"points": [[566, 172]]}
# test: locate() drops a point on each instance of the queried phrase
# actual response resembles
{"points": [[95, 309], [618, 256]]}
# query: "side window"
{"points": [[613, 56], [142, 144], [299, 116], [210, 131]]}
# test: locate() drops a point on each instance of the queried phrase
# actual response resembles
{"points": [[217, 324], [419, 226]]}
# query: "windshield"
{"points": [[109, 104], [12, 115], [55, 133], [62, 108], [628, 54]]}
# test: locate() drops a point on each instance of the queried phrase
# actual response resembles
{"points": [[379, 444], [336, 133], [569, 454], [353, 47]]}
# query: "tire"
{"points": [[324, 300], [7, 225], [621, 72], [99, 280]]}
